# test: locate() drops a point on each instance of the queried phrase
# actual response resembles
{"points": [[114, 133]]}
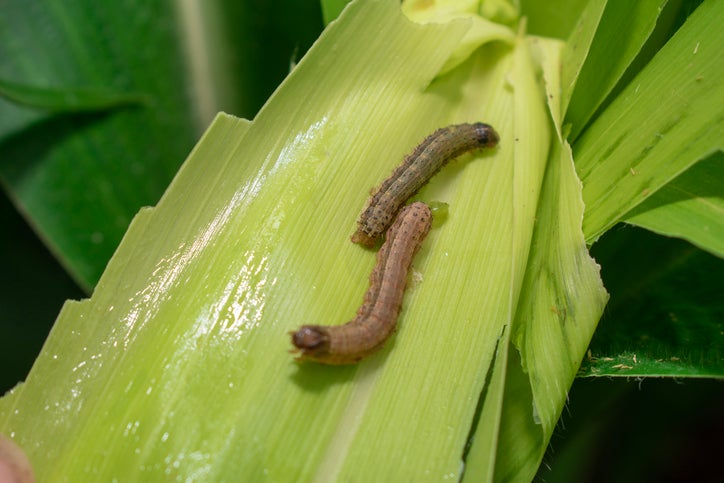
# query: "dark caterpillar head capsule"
{"points": [[310, 340], [486, 135]]}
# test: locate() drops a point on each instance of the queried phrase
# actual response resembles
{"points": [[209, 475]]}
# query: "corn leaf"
{"points": [[641, 142], [609, 55], [560, 303], [177, 367], [552, 19], [577, 48], [260, 203], [689, 207], [665, 317]]}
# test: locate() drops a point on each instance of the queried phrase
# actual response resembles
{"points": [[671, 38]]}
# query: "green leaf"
{"points": [[552, 19], [251, 240], [480, 31], [665, 315], [689, 207], [331, 9], [577, 47], [659, 126], [119, 93], [57, 100], [609, 55], [241, 51], [80, 176], [561, 301]]}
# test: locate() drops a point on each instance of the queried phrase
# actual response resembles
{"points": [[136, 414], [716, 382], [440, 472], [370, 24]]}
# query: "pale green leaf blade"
{"points": [[611, 52], [191, 317], [561, 300], [563, 297], [209, 293], [480, 31], [520, 439], [177, 367], [501, 197], [577, 48], [660, 125], [481, 453], [689, 207]]}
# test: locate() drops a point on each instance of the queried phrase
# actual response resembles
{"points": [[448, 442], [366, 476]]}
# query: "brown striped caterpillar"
{"points": [[417, 168], [377, 317]]}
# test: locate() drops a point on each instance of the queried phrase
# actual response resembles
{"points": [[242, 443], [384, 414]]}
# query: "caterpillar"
{"points": [[377, 317], [417, 168]]}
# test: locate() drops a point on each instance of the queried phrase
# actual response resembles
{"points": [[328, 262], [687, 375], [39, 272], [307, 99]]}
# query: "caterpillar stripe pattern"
{"points": [[377, 317], [417, 168]]}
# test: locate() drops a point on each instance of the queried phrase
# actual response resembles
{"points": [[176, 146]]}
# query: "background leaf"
{"points": [[55, 100], [690, 207], [85, 56], [82, 222], [638, 144], [609, 55], [666, 311]]}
